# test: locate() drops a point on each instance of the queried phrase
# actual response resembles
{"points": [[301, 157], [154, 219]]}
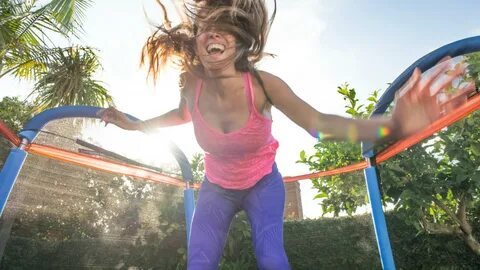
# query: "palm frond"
{"points": [[25, 32], [29, 61], [27, 24], [69, 13]]}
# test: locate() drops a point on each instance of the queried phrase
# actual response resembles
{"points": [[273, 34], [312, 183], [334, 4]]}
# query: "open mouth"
{"points": [[215, 48]]}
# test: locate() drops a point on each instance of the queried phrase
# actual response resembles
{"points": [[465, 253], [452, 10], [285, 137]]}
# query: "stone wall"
{"points": [[293, 201]]}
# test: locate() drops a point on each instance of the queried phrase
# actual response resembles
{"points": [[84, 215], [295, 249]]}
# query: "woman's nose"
{"points": [[213, 34]]}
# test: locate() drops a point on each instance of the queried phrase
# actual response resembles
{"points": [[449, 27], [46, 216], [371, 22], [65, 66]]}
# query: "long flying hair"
{"points": [[247, 20]]}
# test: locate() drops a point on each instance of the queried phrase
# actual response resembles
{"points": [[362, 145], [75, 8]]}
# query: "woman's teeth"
{"points": [[215, 48]]}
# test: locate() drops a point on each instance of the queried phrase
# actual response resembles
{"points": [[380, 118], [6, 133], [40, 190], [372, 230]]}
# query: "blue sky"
{"points": [[319, 45]]}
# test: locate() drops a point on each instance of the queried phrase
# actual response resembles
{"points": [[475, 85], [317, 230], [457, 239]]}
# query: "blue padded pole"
{"points": [[379, 223], [9, 174], [189, 203], [188, 193]]}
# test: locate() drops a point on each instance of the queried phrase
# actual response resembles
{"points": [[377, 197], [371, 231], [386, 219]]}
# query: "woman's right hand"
{"points": [[116, 117]]}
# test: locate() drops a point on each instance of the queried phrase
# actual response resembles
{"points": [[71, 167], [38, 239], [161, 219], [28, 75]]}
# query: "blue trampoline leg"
{"points": [[9, 174], [189, 203], [379, 222]]}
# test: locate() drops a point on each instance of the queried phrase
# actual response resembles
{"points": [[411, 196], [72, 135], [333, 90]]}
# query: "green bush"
{"points": [[45, 241], [332, 243], [349, 243]]}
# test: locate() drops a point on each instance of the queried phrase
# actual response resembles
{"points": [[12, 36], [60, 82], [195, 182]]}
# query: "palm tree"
{"points": [[68, 80], [26, 52]]}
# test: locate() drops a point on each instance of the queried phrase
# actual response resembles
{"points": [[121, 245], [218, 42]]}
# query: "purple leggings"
{"points": [[215, 209]]}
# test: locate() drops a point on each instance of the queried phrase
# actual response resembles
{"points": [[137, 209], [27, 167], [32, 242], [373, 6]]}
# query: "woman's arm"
{"points": [[174, 117], [317, 123], [414, 110]]}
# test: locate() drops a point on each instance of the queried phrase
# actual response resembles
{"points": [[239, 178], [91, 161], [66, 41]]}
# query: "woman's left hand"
{"points": [[427, 97]]}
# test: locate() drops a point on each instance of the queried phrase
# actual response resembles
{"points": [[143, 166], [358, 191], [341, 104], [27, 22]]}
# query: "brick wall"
{"points": [[293, 201]]}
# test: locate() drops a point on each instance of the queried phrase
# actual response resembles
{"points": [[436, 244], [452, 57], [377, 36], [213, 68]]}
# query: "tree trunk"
{"points": [[463, 229], [472, 243]]}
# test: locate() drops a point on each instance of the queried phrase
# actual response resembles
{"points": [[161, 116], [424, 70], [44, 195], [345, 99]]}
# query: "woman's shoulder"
{"points": [[187, 83], [269, 78], [265, 75]]}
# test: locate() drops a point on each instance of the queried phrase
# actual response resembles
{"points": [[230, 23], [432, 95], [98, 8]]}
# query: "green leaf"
{"points": [[302, 156], [320, 195]]}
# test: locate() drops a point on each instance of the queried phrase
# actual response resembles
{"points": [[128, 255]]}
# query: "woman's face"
{"points": [[215, 49]]}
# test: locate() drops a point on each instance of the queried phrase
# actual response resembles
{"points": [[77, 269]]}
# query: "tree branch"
{"points": [[462, 215], [447, 210], [442, 229]]}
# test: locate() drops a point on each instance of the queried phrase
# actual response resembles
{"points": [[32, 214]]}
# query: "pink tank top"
{"points": [[238, 159]]}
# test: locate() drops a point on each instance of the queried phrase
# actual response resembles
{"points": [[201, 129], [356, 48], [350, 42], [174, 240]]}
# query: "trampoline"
{"points": [[24, 144]]}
